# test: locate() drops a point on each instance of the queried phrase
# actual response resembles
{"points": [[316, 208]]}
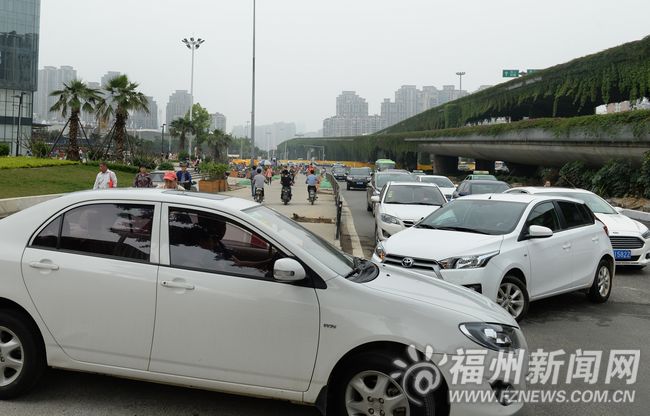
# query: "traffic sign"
{"points": [[510, 73], [532, 71]]}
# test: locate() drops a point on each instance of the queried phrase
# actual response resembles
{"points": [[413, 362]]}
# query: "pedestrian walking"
{"points": [[269, 174], [143, 179], [105, 178]]}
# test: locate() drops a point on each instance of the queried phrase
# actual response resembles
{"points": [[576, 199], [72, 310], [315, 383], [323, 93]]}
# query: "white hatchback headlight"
{"points": [[389, 219], [646, 234], [380, 252], [468, 262]]}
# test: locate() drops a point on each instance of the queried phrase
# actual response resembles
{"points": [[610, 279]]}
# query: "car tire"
{"points": [[363, 372], [348, 187], [22, 359], [602, 285], [368, 207], [512, 296]]}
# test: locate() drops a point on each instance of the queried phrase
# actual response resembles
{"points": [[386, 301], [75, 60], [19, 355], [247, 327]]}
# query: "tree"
{"points": [[75, 96], [180, 127], [201, 121], [219, 142], [122, 96]]}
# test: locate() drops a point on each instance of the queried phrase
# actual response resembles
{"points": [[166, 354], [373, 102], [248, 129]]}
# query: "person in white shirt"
{"points": [[105, 178]]}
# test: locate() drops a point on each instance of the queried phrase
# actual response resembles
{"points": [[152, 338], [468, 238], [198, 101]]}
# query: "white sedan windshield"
{"points": [[477, 216], [289, 230]]}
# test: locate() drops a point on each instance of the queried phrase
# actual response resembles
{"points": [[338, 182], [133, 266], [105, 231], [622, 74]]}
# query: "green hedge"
{"points": [[4, 150]]}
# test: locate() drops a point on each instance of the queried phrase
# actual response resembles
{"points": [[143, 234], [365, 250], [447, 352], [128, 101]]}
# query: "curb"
{"points": [[636, 215], [351, 230]]}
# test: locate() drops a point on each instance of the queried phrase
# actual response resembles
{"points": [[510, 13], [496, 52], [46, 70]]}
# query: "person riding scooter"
{"points": [[312, 182], [287, 181]]}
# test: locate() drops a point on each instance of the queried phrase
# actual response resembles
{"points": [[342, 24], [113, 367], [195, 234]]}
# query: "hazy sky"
{"points": [[308, 51]]}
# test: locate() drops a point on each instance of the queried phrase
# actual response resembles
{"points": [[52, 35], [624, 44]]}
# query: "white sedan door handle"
{"points": [[177, 285], [595, 239], [47, 266], [566, 246]]}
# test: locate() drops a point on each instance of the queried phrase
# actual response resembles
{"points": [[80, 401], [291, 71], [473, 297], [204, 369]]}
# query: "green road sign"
{"points": [[532, 71], [510, 73]]}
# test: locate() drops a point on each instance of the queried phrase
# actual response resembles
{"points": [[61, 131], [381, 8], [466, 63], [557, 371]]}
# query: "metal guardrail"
{"points": [[337, 200]]}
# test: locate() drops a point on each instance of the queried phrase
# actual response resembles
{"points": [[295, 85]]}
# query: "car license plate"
{"points": [[359, 183], [622, 254]]}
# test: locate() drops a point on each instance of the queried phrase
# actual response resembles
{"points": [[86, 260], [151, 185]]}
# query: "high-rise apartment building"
{"points": [[51, 79], [19, 32], [179, 104], [143, 119], [349, 104], [218, 121], [351, 117]]}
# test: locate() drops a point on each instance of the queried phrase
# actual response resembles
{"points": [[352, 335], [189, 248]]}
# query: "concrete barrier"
{"points": [[11, 205]]}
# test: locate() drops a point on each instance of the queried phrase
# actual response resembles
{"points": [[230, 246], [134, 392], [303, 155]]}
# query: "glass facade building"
{"points": [[19, 29]]}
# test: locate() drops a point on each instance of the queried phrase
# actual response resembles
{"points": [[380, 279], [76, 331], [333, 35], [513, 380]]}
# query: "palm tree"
{"points": [[122, 96], [180, 127], [218, 141], [76, 96]]}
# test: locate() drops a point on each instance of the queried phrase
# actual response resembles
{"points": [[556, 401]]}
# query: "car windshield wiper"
{"points": [[355, 270], [426, 226]]}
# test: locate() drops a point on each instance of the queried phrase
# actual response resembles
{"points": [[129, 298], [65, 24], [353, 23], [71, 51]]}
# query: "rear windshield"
{"points": [[442, 182], [488, 188]]}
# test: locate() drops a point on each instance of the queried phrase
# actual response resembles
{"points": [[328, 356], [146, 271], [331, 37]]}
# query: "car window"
{"points": [[594, 202], [442, 182], [544, 215], [49, 236], [401, 177], [414, 194], [118, 230], [574, 216], [208, 242], [488, 188]]}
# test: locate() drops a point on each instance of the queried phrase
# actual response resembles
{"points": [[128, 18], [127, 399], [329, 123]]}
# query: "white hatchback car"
{"points": [[224, 294], [446, 186], [630, 239], [512, 248], [400, 205]]}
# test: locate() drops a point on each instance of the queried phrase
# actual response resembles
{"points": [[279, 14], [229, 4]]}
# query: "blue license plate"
{"points": [[359, 183], [622, 254]]}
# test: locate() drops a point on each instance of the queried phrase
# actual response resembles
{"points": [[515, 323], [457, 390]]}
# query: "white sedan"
{"points": [[446, 186], [512, 248], [400, 205], [630, 239], [224, 294]]}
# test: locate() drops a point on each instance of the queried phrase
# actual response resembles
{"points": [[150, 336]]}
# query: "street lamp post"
{"points": [[162, 139], [460, 86], [192, 44], [253, 100], [20, 108]]}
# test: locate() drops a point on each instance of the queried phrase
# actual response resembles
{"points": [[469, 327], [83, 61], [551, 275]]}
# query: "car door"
{"points": [[585, 238], [220, 315], [550, 262], [91, 272]]}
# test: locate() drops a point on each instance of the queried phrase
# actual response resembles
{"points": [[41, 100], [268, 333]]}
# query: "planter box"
{"points": [[213, 185]]}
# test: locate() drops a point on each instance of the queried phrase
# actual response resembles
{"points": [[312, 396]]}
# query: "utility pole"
{"points": [[460, 86], [20, 108], [253, 101], [162, 140], [192, 44]]}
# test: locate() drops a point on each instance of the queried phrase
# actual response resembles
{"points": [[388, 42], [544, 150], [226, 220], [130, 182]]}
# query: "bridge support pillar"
{"points": [[518, 169], [487, 165], [444, 165]]}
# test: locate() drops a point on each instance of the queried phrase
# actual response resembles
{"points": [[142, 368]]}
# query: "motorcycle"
{"points": [[286, 194], [259, 195], [312, 195]]}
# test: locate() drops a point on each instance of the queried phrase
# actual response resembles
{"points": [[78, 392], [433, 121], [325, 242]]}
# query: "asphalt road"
{"points": [[566, 322]]}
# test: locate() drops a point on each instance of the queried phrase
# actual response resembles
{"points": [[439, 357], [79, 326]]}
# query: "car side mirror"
{"points": [[374, 199], [288, 270], [537, 231]]}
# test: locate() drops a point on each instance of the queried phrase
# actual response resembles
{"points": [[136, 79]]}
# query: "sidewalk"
{"points": [[323, 212]]}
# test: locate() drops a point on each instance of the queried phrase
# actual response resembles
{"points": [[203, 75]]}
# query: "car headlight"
{"points": [[380, 252], [468, 262], [646, 235], [368, 178], [389, 219], [493, 336]]}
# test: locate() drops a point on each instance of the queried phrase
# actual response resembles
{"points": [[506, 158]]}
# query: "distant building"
{"points": [[90, 118], [144, 120], [349, 104], [179, 104], [218, 121], [351, 117], [50, 79], [19, 33], [267, 136]]}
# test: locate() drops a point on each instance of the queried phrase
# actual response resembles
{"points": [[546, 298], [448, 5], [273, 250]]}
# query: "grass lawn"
{"points": [[53, 180]]}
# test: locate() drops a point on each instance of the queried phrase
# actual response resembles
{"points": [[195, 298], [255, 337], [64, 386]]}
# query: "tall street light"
{"points": [[192, 44], [162, 140], [20, 107], [253, 101], [460, 86]]}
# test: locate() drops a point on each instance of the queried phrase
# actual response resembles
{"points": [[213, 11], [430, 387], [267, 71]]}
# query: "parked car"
{"points": [[475, 186], [358, 178], [630, 239], [512, 248], [339, 172], [400, 205], [184, 289], [446, 186], [379, 179]]}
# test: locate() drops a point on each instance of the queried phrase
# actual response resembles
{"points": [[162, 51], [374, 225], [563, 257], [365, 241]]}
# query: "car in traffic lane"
{"points": [[184, 289], [446, 186], [402, 204], [512, 248], [479, 186], [358, 178], [630, 239], [379, 179]]}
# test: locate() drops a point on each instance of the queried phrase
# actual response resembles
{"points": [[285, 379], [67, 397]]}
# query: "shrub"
{"points": [[149, 163], [183, 155], [40, 149], [615, 179], [575, 174], [214, 170], [4, 149], [643, 179], [166, 166]]}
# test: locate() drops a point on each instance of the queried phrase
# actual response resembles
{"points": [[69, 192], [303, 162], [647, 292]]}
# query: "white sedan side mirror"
{"points": [[374, 199], [619, 210], [537, 231], [288, 270]]}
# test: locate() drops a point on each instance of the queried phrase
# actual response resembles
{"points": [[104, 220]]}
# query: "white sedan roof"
{"points": [[547, 189]]}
